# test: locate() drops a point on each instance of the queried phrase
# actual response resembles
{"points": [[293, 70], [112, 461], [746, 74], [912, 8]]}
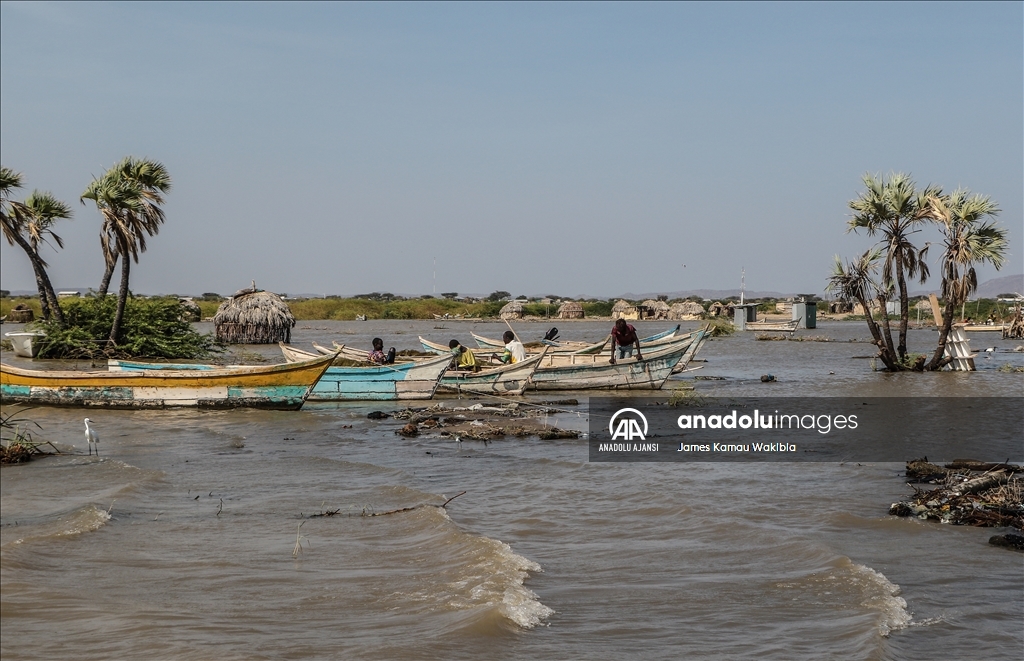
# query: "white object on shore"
{"points": [[91, 437], [23, 342]]}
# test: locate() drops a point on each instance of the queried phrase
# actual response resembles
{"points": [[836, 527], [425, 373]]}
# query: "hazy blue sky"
{"points": [[536, 148]]}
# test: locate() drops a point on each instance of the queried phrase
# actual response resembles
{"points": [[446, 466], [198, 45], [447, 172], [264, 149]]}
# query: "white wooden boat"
{"points": [[773, 326], [496, 379], [25, 343], [584, 372]]}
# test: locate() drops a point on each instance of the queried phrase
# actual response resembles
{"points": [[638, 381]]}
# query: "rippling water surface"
{"points": [[179, 541]]}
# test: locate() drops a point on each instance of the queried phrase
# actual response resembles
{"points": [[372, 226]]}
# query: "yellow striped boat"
{"points": [[265, 386]]}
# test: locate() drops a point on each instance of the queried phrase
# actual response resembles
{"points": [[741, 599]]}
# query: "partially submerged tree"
{"points": [[29, 224], [893, 208], [128, 196], [855, 281], [968, 239]]}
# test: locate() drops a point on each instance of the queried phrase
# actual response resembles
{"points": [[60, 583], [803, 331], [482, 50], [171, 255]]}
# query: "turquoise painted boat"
{"points": [[265, 386], [510, 379], [417, 380]]}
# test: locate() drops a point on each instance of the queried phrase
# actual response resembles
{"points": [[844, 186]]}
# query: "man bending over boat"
{"points": [[514, 350], [464, 358], [377, 356], [624, 337]]}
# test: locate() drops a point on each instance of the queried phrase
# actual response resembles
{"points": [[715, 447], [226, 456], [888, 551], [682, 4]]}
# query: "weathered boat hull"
{"points": [[560, 372], [412, 380], [504, 380], [273, 387], [577, 347], [501, 380], [781, 327]]}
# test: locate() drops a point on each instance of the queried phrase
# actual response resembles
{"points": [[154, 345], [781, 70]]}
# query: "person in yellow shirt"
{"points": [[465, 360]]}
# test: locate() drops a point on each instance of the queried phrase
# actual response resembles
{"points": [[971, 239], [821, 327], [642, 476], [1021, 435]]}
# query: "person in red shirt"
{"points": [[624, 337]]}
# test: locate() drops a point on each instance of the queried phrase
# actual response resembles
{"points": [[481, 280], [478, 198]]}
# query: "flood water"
{"points": [[179, 541]]}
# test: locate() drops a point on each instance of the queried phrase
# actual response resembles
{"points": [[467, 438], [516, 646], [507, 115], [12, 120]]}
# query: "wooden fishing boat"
{"points": [[497, 379], [773, 326], [970, 328], [490, 343], [435, 347], [265, 386], [583, 372], [412, 380]]}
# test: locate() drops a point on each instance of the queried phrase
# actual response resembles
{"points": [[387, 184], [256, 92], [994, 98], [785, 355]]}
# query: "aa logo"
{"points": [[628, 426]]}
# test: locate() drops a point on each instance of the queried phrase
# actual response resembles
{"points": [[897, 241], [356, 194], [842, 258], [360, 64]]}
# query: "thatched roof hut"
{"points": [[20, 314], [655, 309], [254, 317], [570, 310], [718, 309], [623, 309], [190, 310], [512, 310], [686, 311]]}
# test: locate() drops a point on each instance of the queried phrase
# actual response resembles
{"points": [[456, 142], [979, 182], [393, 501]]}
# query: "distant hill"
{"points": [[714, 294], [1008, 284], [989, 289]]}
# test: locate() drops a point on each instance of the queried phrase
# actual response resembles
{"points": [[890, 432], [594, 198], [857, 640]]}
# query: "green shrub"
{"points": [[152, 328]]}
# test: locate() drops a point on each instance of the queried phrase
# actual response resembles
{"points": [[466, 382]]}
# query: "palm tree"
{"points": [[855, 281], [128, 196], [28, 224], [968, 240], [892, 208], [44, 210]]}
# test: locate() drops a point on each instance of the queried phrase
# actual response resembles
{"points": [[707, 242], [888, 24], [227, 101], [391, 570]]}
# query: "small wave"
{"points": [[848, 584], [482, 583], [883, 596], [72, 524]]}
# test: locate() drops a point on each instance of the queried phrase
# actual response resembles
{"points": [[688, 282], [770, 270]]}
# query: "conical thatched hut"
{"points": [[686, 311], [512, 310], [190, 310], [718, 309], [254, 317], [570, 310], [655, 309], [624, 310], [20, 314]]}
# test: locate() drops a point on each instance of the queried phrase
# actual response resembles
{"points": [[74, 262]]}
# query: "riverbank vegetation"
{"points": [[151, 328]]}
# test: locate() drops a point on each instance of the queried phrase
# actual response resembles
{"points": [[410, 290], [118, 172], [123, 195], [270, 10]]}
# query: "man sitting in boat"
{"points": [[465, 360], [624, 337], [514, 350], [377, 356]]}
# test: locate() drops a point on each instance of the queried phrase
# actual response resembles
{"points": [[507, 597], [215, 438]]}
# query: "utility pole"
{"points": [[743, 283], [434, 293]]}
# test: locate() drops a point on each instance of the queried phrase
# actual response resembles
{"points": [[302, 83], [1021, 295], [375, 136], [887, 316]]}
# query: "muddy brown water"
{"points": [[177, 543]]}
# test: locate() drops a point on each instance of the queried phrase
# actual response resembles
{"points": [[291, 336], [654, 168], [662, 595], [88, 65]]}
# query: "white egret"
{"points": [[91, 437]]}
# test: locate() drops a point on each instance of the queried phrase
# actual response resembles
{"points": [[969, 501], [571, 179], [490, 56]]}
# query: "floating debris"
{"points": [[993, 498]]}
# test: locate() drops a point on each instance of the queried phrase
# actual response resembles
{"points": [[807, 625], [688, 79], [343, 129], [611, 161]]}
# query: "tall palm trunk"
{"points": [[887, 331], [883, 350], [901, 279], [47, 298], [122, 299], [107, 274], [948, 313]]}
